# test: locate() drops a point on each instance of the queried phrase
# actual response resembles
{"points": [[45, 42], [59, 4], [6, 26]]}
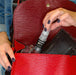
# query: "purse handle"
{"points": [[18, 2]]}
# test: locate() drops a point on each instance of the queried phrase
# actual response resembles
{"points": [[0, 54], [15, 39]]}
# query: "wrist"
{"points": [[3, 35], [4, 38]]}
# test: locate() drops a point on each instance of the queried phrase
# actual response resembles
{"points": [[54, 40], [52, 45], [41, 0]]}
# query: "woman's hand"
{"points": [[65, 18], [5, 48]]}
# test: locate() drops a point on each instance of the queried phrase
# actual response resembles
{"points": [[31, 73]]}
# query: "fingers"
{"points": [[11, 54], [47, 16], [70, 20], [52, 18], [5, 48], [2, 63], [5, 61], [62, 22], [64, 19], [56, 25]]}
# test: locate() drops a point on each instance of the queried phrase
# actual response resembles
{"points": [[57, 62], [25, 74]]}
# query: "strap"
{"points": [[18, 2]]}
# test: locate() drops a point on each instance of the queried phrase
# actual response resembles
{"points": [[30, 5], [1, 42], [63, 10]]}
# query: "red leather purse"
{"points": [[27, 22]]}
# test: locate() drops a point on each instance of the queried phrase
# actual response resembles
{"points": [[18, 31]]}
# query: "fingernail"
{"points": [[49, 21], [13, 59], [58, 20], [43, 25], [9, 69], [45, 29]]}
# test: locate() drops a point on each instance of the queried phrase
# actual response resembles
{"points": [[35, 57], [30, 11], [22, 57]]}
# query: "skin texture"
{"points": [[5, 47], [66, 17]]}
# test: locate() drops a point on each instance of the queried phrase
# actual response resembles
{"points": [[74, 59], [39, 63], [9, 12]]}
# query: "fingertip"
{"points": [[49, 21], [58, 20], [9, 69], [13, 59], [11, 54], [45, 29]]}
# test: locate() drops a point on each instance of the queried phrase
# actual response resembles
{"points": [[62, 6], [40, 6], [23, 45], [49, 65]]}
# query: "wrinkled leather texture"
{"points": [[27, 20], [44, 64]]}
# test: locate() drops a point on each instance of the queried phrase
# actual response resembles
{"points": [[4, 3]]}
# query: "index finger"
{"points": [[52, 18], [48, 14], [11, 53], [5, 60]]}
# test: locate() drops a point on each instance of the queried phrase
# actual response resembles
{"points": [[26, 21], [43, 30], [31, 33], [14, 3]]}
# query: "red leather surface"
{"points": [[44, 64], [28, 18], [18, 46]]}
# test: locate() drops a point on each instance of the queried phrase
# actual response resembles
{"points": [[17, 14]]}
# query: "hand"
{"points": [[5, 48], [65, 18]]}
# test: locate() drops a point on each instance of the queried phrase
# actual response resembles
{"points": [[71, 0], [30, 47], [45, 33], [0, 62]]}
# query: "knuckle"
{"points": [[60, 8], [67, 14], [6, 63], [6, 45], [48, 13], [1, 53]]}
